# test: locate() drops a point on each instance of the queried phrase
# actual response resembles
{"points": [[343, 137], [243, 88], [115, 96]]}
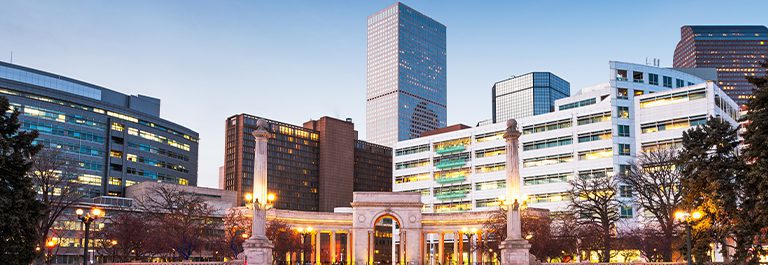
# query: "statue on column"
{"points": [[258, 248], [514, 250]]}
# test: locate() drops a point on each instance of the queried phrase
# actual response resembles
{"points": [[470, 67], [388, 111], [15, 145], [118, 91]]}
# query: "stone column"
{"points": [[318, 259], [514, 250], [333, 246], [441, 249], [313, 248], [348, 258], [258, 248], [456, 252]]}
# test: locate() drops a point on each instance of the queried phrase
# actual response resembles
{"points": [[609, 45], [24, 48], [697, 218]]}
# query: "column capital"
{"points": [[511, 132]]}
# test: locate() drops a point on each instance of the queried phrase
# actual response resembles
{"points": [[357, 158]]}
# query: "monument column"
{"points": [[514, 250], [441, 248], [258, 248]]}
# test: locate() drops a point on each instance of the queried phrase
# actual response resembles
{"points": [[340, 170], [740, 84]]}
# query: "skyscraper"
{"points": [[735, 51], [314, 167], [406, 75], [527, 95]]}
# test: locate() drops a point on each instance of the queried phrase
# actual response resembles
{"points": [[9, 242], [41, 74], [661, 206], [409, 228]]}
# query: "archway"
{"points": [[386, 247]]}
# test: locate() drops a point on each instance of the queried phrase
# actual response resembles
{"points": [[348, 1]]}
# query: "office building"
{"points": [[735, 51], [595, 132], [314, 167], [527, 95], [406, 75], [118, 139]]}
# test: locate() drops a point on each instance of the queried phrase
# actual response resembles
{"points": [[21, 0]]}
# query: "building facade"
{"points": [[118, 140], [735, 51], [314, 167], [527, 95], [406, 75], [596, 132]]}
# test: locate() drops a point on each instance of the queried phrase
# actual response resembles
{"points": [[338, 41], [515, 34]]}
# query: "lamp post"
{"points": [[113, 244], [472, 231], [87, 219], [687, 218], [50, 245], [303, 232]]}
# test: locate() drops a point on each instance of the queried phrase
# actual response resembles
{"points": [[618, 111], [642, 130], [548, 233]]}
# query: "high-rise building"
{"points": [[527, 95], [118, 139], [735, 51], [314, 167], [596, 132], [406, 75]]}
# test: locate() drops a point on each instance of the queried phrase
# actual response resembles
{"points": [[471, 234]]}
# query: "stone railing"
{"points": [[234, 262]]}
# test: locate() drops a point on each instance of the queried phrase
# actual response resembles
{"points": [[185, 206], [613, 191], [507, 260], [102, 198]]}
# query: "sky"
{"points": [[298, 60]]}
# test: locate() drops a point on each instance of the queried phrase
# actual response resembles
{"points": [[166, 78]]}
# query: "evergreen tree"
{"points": [[712, 169], [755, 198], [20, 211]]}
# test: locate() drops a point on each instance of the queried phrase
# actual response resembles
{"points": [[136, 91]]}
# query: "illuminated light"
{"points": [[244, 235], [96, 212], [113, 242], [680, 215], [248, 197], [309, 229], [79, 211], [271, 197], [50, 244], [697, 215]]}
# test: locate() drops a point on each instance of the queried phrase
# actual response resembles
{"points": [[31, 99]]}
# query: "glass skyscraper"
{"points": [[117, 140], [527, 95], [735, 51], [406, 75]]}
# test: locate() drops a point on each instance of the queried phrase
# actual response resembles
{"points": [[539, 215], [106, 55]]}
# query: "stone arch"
{"points": [[383, 214]]}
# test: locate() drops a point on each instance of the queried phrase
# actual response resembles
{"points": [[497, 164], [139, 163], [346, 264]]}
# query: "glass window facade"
{"points": [[735, 51], [406, 75], [527, 95]]}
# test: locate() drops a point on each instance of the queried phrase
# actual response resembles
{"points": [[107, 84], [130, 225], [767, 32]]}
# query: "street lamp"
{"points": [[469, 241], [50, 245], [87, 219], [687, 218], [303, 232]]}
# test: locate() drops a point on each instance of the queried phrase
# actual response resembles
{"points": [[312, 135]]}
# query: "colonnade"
{"points": [[437, 248]]}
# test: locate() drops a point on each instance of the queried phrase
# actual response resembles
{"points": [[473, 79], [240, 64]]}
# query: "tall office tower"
{"points": [[527, 95], [406, 75], [314, 167], [118, 140], [735, 51]]}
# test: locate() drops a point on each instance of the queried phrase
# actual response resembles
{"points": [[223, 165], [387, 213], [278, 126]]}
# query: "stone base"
{"points": [[258, 251], [515, 252]]}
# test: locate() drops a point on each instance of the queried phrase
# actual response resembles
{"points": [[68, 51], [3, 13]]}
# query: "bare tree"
{"points": [[656, 184], [183, 218], [54, 176], [593, 200], [236, 224], [135, 235], [536, 227]]}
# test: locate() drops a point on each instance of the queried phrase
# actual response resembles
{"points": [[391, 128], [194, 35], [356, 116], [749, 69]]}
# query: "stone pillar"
{"points": [[313, 248], [514, 250], [333, 246], [480, 242], [441, 249], [348, 257], [456, 252], [258, 248], [318, 259]]}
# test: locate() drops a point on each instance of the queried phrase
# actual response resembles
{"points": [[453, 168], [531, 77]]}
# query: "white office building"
{"points": [[595, 132]]}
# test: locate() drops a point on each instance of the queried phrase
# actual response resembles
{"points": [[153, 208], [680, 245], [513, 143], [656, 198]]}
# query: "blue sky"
{"points": [[297, 60]]}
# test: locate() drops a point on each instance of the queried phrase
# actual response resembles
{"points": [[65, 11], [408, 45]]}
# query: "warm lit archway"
{"points": [[386, 247]]}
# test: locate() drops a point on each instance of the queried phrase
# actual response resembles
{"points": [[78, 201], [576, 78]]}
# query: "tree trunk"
{"points": [[606, 244], [669, 236]]}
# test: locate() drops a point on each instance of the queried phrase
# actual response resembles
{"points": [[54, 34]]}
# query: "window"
{"points": [[596, 154], [627, 212], [491, 185], [595, 136], [624, 169], [625, 191], [412, 178], [549, 126], [639, 92], [624, 150], [653, 79], [492, 202], [622, 112], [489, 136], [593, 118], [546, 179], [637, 77], [115, 154], [491, 152], [577, 104], [680, 123], [117, 127], [621, 75], [412, 164], [679, 83], [623, 130], [667, 81], [412, 150], [662, 145], [547, 197], [115, 181], [490, 167], [673, 98], [547, 160], [596, 173], [116, 167], [547, 143], [622, 93]]}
